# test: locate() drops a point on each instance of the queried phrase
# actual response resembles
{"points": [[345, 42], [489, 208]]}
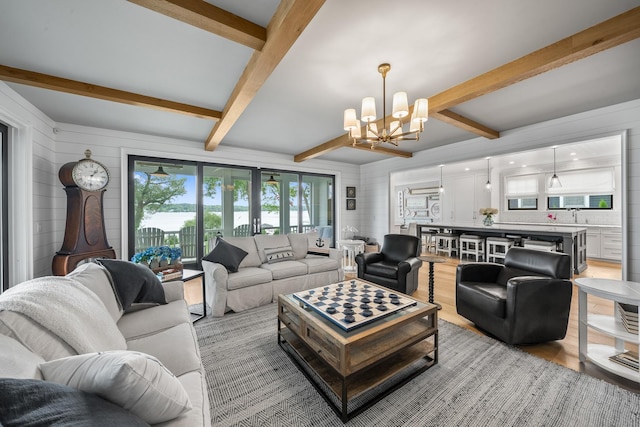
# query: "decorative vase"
{"points": [[154, 264], [164, 262], [488, 220]]}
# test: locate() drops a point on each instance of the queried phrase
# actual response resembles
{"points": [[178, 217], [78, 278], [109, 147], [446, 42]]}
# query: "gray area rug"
{"points": [[477, 382]]}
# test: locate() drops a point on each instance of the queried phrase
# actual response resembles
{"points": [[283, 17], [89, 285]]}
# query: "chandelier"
{"points": [[395, 132]]}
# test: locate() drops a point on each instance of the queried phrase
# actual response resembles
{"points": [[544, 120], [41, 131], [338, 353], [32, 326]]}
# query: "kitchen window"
{"points": [[586, 201], [522, 192]]}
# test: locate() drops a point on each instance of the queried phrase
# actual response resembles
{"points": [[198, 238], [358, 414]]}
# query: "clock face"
{"points": [[90, 175]]}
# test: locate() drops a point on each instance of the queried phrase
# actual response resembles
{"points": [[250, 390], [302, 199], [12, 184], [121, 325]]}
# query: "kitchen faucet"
{"points": [[574, 214]]}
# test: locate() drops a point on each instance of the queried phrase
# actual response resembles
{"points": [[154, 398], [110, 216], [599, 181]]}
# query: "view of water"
{"points": [[173, 221]]}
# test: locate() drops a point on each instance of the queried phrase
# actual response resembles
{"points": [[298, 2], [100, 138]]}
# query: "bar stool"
{"points": [[470, 244], [517, 239], [497, 248], [447, 242], [540, 245], [429, 241]]}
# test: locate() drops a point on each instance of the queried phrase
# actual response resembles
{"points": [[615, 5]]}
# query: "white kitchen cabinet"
{"points": [[464, 196], [593, 242]]}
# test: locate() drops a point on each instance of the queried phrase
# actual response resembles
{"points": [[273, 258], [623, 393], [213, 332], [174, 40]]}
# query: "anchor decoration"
{"points": [[319, 242]]}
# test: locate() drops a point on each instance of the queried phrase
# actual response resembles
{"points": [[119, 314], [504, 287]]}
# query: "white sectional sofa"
{"points": [[29, 348], [259, 281]]}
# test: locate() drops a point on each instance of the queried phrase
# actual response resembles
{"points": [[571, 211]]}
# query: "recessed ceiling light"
{"points": [[524, 166], [511, 162], [572, 154], [576, 159], [466, 169]]}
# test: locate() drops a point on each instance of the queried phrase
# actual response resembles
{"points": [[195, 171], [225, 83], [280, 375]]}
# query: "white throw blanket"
{"points": [[68, 309]]}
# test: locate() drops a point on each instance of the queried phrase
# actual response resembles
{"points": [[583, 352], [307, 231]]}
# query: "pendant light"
{"points": [[555, 181], [272, 181], [160, 173], [441, 186], [487, 186]]}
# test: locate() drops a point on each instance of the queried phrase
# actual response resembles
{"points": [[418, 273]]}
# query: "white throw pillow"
{"points": [[135, 381]]}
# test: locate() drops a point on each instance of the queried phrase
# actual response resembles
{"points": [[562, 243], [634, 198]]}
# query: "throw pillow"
{"points": [[134, 282], [226, 254], [284, 253], [135, 381], [37, 403]]}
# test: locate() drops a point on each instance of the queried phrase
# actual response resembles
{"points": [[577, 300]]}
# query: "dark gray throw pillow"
{"points": [[226, 254], [36, 403], [134, 283]]}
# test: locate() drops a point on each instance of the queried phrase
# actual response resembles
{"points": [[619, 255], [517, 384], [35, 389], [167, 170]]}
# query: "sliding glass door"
{"points": [[189, 204], [4, 208]]}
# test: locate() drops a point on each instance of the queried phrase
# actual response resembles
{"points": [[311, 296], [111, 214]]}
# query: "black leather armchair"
{"points": [[395, 266], [524, 301]]}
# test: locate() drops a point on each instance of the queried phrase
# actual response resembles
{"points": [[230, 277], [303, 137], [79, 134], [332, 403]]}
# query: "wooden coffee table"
{"points": [[363, 365]]}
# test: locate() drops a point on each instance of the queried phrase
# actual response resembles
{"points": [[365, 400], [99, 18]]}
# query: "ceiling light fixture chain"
{"points": [[395, 132], [488, 184]]}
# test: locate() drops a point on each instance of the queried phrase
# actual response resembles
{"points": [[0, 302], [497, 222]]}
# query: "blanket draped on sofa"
{"points": [[66, 308]]}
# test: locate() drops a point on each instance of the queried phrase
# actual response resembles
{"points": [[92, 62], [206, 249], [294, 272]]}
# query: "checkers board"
{"points": [[353, 303]]}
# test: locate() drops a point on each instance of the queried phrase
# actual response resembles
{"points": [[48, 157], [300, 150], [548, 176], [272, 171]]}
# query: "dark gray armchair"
{"points": [[395, 266], [524, 301]]}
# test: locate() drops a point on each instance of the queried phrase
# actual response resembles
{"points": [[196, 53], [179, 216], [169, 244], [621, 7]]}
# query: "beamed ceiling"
{"points": [[276, 76]]}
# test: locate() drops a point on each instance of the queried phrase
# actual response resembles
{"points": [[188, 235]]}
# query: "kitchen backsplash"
{"points": [[563, 217]]}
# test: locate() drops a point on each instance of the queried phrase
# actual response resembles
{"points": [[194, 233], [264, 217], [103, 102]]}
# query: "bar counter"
{"points": [[571, 240]]}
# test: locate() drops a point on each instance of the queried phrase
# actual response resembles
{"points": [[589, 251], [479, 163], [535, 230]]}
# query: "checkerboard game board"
{"points": [[353, 303]]}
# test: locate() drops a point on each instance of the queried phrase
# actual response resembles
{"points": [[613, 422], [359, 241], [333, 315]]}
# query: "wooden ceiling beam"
{"points": [[605, 35], [286, 25], [46, 81], [469, 125], [323, 148], [385, 150], [210, 18]]}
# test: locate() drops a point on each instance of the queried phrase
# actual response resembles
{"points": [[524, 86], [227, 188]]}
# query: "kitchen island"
{"points": [[571, 240]]}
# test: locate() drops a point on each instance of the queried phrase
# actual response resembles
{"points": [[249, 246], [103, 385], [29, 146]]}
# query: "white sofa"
{"points": [[163, 331], [258, 282]]}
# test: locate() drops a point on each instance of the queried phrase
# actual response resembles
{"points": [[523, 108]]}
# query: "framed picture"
{"points": [[351, 192], [351, 204]]}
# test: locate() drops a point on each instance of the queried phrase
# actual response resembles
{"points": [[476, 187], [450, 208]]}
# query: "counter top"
{"points": [[512, 227], [616, 227]]}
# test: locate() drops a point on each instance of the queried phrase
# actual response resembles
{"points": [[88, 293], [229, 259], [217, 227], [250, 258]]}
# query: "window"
{"points": [[587, 201], [529, 203], [522, 192]]}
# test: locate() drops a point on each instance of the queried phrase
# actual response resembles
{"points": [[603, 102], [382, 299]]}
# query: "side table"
{"points": [[188, 274], [605, 356], [432, 259], [351, 248]]}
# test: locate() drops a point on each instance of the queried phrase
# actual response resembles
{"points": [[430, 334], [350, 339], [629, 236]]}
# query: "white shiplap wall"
{"points": [[374, 177]]}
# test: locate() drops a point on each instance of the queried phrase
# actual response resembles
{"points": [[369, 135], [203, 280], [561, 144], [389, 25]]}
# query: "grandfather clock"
{"points": [[85, 182]]}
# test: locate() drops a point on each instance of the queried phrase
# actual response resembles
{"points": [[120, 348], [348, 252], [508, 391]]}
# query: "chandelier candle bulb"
{"points": [[400, 106], [421, 109], [368, 109], [350, 121]]}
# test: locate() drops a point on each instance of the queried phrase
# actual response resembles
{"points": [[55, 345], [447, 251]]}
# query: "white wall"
{"points": [[33, 177], [374, 177]]}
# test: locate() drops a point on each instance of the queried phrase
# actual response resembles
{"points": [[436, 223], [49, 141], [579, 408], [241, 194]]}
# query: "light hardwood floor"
{"points": [[563, 352]]}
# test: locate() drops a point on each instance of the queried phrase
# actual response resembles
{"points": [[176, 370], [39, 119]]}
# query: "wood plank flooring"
{"points": [[563, 352]]}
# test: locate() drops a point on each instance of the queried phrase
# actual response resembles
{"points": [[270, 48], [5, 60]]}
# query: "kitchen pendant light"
{"points": [[555, 181], [487, 186], [272, 181], [441, 186]]}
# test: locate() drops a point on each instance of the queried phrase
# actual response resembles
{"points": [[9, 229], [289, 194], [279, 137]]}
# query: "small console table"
{"points": [[622, 291]]}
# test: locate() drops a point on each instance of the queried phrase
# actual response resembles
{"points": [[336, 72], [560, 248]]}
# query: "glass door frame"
{"points": [[254, 198]]}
